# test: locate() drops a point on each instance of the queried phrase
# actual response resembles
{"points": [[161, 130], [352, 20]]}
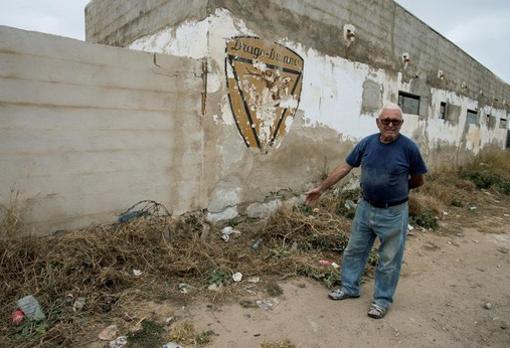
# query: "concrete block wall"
{"points": [[88, 130], [384, 32], [114, 22], [343, 87]]}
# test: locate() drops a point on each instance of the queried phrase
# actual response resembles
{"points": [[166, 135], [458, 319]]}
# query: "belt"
{"points": [[385, 204]]}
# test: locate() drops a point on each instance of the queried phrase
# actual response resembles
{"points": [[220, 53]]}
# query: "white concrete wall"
{"points": [[88, 130], [330, 117], [332, 87]]}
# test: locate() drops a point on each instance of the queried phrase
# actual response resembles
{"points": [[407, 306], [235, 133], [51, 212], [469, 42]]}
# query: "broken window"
{"points": [[409, 103], [502, 123], [472, 117], [442, 111]]}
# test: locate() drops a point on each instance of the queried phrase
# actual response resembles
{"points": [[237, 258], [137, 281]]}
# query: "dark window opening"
{"points": [[472, 117], [409, 103], [502, 123], [491, 121], [442, 111]]}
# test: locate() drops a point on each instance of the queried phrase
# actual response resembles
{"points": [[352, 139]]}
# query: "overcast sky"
{"points": [[479, 27]]}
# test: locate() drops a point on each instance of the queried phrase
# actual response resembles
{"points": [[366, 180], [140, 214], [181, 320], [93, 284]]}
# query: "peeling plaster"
{"points": [[227, 214], [262, 210], [332, 93], [331, 103]]}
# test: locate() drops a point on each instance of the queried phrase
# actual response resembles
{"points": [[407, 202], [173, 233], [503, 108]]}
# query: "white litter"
{"points": [[237, 277]]}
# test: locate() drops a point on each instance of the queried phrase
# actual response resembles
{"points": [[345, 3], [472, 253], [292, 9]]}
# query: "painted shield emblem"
{"points": [[264, 81]]}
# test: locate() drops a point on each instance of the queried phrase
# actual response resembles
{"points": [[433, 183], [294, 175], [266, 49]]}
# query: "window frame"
{"points": [[403, 96], [472, 112]]}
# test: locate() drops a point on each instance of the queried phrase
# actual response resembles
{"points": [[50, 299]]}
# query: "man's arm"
{"points": [[415, 181], [336, 175]]}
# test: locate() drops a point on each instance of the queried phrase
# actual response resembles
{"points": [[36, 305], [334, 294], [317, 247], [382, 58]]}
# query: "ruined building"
{"points": [[234, 106]]}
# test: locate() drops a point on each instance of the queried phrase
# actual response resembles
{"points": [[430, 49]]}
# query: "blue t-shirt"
{"points": [[385, 168]]}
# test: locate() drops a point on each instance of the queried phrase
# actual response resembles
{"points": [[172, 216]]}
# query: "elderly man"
{"points": [[391, 165]]}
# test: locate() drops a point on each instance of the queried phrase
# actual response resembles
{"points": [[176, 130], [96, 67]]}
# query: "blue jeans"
{"points": [[390, 225]]}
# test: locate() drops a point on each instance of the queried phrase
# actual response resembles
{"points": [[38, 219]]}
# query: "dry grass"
{"points": [[11, 222], [492, 160], [97, 263], [183, 333]]}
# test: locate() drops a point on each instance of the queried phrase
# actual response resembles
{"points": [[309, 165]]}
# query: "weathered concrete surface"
{"points": [[384, 32], [119, 21], [344, 84], [88, 130]]}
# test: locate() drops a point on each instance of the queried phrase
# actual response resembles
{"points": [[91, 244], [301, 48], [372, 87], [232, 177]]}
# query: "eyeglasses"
{"points": [[394, 121]]}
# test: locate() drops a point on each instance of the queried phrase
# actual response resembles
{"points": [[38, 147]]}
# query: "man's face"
{"points": [[389, 123]]}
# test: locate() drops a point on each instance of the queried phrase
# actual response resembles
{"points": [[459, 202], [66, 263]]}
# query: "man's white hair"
{"points": [[390, 106]]}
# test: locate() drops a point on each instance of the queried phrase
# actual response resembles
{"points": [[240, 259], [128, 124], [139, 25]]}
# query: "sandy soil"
{"points": [[454, 291], [448, 279]]}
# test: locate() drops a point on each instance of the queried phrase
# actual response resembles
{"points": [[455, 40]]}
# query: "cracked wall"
{"points": [[87, 130], [338, 105]]}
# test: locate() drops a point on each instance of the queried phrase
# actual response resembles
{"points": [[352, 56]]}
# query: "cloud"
{"points": [[60, 17], [482, 28]]}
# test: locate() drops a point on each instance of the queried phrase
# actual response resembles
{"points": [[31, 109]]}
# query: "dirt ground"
{"points": [[454, 292]]}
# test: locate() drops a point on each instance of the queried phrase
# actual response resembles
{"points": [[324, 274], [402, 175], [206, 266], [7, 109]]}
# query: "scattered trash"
{"points": [[119, 342], [169, 320], [237, 277], [131, 215], [350, 204], [227, 232], [445, 213], [487, 305], [325, 262], [267, 304], [472, 208], [253, 280], [31, 308], [172, 345], [79, 304], [214, 287], [17, 316], [184, 288], [329, 263], [315, 210], [410, 228], [143, 209], [256, 244], [507, 215], [108, 333], [137, 272]]}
